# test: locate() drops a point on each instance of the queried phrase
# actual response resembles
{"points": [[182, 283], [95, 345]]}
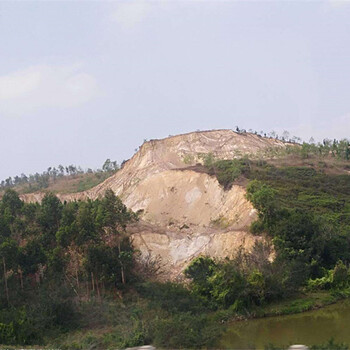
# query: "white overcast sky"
{"points": [[83, 81]]}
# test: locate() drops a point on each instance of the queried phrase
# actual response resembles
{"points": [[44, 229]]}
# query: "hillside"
{"points": [[184, 213], [184, 210], [223, 226]]}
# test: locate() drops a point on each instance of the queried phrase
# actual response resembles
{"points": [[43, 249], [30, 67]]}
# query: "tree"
{"points": [[12, 202], [61, 169], [114, 217], [199, 271], [115, 214], [9, 251], [32, 256], [85, 224], [68, 227], [263, 198], [107, 165], [49, 217], [340, 275], [285, 135]]}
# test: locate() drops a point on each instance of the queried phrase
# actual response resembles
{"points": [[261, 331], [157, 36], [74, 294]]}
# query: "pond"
{"points": [[309, 328]]}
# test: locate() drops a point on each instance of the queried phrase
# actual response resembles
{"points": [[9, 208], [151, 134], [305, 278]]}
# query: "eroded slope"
{"points": [[184, 213]]}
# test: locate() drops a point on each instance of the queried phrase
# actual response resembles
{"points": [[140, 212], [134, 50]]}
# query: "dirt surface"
{"points": [[174, 247]]}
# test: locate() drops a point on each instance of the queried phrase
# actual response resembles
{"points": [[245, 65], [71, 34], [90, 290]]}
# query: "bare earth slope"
{"points": [[185, 213]]}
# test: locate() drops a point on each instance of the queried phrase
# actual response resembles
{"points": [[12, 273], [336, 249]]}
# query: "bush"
{"points": [[171, 297], [17, 328], [185, 331], [237, 284], [337, 278]]}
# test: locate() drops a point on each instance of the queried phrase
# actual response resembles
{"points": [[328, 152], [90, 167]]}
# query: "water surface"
{"points": [[312, 327]]}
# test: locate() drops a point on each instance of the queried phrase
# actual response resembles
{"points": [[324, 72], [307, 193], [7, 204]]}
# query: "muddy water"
{"points": [[313, 327]]}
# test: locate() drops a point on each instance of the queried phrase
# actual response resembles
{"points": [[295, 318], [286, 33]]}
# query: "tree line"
{"points": [[77, 249], [336, 148], [285, 136], [42, 180]]}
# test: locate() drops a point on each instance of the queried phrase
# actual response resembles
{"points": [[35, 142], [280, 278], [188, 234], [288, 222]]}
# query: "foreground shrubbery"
{"points": [[240, 284], [165, 315], [336, 279]]}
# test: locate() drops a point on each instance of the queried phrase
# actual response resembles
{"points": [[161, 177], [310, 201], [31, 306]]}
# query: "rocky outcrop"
{"points": [[186, 197]]}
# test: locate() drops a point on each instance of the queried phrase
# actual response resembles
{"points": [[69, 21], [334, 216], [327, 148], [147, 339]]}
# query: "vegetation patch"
{"points": [[60, 179]]}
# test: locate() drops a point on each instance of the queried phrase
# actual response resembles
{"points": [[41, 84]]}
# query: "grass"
{"points": [[305, 187], [298, 304], [293, 305], [106, 324]]}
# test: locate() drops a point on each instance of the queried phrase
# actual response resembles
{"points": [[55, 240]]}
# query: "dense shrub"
{"points": [[185, 331]]}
